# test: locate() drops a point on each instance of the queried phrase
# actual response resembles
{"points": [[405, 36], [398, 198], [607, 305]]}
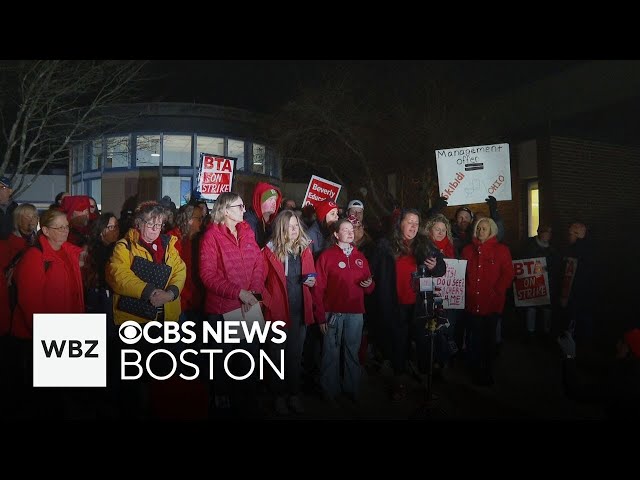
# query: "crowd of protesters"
{"points": [[346, 295]]}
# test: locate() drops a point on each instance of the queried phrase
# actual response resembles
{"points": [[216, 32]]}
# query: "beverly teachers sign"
{"points": [[470, 174]]}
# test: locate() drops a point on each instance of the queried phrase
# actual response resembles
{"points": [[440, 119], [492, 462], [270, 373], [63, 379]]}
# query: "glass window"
{"points": [[147, 150], [96, 190], [117, 152], [272, 163], [76, 157], [76, 189], [534, 209], [96, 155], [178, 188], [236, 150], [212, 145], [176, 150], [258, 161]]}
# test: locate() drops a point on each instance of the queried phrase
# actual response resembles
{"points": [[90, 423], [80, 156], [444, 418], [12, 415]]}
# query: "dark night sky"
{"points": [[263, 85]]}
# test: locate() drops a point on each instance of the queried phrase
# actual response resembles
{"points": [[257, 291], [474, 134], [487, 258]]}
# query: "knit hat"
{"points": [[267, 194], [323, 208], [355, 204], [5, 182], [632, 338]]}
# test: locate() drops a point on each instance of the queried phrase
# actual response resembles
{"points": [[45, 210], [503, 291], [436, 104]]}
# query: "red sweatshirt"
{"points": [[337, 286]]}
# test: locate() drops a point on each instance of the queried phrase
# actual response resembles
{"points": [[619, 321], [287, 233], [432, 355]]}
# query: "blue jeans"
{"points": [[343, 328]]}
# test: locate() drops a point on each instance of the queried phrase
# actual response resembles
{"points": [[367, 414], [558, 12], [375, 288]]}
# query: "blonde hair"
{"points": [[439, 218], [222, 203], [493, 228], [282, 245], [23, 209]]}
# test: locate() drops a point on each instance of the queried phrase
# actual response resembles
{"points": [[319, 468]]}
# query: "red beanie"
{"points": [[323, 208], [632, 338]]}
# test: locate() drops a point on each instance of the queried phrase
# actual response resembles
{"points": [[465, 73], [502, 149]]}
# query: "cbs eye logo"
{"points": [[130, 332]]}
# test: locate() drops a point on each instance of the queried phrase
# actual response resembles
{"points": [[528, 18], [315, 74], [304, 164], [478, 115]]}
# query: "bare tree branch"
{"points": [[48, 105]]}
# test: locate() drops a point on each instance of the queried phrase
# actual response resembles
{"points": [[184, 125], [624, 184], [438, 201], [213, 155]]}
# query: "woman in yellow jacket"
{"points": [[145, 240], [142, 301]]}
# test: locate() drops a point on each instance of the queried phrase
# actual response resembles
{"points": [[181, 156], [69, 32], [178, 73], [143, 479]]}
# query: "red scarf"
{"points": [[445, 247], [155, 248]]}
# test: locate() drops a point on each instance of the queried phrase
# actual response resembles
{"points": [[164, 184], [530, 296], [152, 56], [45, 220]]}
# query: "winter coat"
{"points": [[228, 265], [275, 296], [123, 281], [54, 288], [489, 274]]}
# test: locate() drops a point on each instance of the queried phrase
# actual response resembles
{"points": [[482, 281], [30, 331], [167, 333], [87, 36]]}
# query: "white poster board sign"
{"points": [[470, 174], [531, 283], [451, 285]]}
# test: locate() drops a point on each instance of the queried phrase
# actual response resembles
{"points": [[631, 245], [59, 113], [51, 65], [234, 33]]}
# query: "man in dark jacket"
{"points": [[266, 202], [7, 206]]}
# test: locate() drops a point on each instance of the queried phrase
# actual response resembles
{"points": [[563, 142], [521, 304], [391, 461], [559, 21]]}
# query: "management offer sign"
{"points": [[470, 174]]}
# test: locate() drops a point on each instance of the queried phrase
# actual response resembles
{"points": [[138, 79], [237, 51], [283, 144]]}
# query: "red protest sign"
{"points": [[320, 189], [215, 175]]}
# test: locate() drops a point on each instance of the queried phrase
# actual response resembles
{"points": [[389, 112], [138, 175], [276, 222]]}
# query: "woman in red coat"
{"points": [[288, 262], [489, 274]]}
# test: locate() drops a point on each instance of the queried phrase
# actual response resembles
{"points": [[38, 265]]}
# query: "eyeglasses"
{"points": [[63, 227], [112, 227], [154, 226], [242, 207]]}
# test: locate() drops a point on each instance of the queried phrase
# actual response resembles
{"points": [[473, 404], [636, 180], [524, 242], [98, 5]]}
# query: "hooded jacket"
{"points": [[253, 215]]}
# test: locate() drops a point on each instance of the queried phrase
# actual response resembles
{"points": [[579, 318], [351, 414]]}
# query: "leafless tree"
{"points": [[47, 105], [358, 128]]}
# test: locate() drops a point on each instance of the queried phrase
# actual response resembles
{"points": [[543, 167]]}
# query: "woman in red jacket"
{"points": [[48, 280], [343, 279], [289, 275], [489, 274]]}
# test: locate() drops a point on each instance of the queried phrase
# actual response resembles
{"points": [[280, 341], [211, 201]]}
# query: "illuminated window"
{"points": [[176, 150], [117, 152], [147, 150], [259, 160], [533, 208], [236, 150]]}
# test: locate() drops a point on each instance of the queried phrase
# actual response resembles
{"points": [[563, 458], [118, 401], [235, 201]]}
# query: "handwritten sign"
{"points": [[320, 189], [471, 174], [450, 287], [215, 175], [531, 283]]}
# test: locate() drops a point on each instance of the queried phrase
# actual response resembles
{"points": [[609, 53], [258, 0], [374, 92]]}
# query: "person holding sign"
{"points": [[489, 275], [540, 246], [438, 229], [326, 215]]}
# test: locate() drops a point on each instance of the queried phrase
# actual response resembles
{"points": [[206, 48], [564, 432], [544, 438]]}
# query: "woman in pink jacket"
{"points": [[489, 274], [289, 276], [231, 269]]}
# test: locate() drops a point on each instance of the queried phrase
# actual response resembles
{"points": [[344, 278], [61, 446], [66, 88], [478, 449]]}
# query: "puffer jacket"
{"points": [[123, 281], [489, 274]]}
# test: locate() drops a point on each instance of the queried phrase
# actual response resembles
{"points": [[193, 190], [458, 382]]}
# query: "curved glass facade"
{"points": [[160, 154]]}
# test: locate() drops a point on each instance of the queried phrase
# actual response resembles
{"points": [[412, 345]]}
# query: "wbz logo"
{"points": [[69, 350]]}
